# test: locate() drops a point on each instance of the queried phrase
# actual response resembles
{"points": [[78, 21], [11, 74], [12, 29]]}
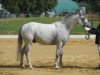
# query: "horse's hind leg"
{"points": [[27, 55], [21, 61], [22, 57]]}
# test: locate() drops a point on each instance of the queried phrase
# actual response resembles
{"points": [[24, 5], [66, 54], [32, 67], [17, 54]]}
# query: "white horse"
{"points": [[56, 33]]}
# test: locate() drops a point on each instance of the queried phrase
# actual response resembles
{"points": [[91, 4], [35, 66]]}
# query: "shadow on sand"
{"points": [[49, 67], [9, 66]]}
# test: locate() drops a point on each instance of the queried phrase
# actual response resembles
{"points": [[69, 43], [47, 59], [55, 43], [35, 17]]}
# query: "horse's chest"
{"points": [[63, 36]]}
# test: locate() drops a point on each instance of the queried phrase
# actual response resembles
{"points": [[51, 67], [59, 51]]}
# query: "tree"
{"points": [[10, 5], [44, 5], [93, 5], [24, 6], [28, 6]]}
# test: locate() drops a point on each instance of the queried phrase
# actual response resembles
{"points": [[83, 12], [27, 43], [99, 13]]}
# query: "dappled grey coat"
{"points": [[96, 31]]}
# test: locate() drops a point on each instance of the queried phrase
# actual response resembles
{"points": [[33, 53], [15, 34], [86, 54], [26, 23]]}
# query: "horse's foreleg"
{"points": [[58, 59], [27, 56], [61, 54]]}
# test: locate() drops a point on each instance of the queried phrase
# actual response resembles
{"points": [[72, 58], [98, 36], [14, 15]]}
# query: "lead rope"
{"points": [[87, 35]]}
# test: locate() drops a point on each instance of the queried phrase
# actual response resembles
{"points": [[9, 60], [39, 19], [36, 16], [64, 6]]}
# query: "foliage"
{"points": [[92, 5], [24, 6], [28, 6], [10, 5]]}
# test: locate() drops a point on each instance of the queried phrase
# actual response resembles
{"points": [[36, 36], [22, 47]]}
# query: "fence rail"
{"points": [[71, 36]]}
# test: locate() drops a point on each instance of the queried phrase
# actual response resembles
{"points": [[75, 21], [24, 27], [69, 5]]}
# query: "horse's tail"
{"points": [[19, 45]]}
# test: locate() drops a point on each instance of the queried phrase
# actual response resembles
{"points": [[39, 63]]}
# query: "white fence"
{"points": [[71, 36]]}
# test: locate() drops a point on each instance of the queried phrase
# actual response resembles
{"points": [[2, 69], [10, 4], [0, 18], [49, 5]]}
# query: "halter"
{"points": [[85, 22]]}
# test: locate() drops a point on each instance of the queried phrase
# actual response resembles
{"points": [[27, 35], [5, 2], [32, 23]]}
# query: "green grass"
{"points": [[12, 26]]}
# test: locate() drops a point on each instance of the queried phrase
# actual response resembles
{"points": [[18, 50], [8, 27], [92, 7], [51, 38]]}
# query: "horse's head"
{"points": [[82, 19]]}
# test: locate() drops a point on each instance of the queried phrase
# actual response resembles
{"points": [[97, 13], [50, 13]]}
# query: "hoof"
{"points": [[56, 67], [22, 66], [61, 65], [31, 67]]}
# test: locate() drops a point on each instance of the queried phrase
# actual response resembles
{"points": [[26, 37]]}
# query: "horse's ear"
{"points": [[83, 9]]}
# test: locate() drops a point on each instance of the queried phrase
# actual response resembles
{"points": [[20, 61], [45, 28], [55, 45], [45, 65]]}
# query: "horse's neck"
{"points": [[68, 23], [62, 27]]}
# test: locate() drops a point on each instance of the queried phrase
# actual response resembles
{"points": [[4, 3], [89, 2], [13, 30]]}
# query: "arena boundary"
{"points": [[71, 36]]}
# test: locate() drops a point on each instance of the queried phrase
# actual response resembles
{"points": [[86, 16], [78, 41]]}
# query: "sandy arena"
{"points": [[80, 58]]}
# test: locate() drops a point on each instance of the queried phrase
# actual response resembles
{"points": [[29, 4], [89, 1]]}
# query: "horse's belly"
{"points": [[45, 41]]}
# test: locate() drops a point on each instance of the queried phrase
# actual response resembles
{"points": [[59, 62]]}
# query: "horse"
{"points": [[56, 33]]}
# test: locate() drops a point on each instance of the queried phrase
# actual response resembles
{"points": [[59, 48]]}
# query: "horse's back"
{"points": [[34, 26]]}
